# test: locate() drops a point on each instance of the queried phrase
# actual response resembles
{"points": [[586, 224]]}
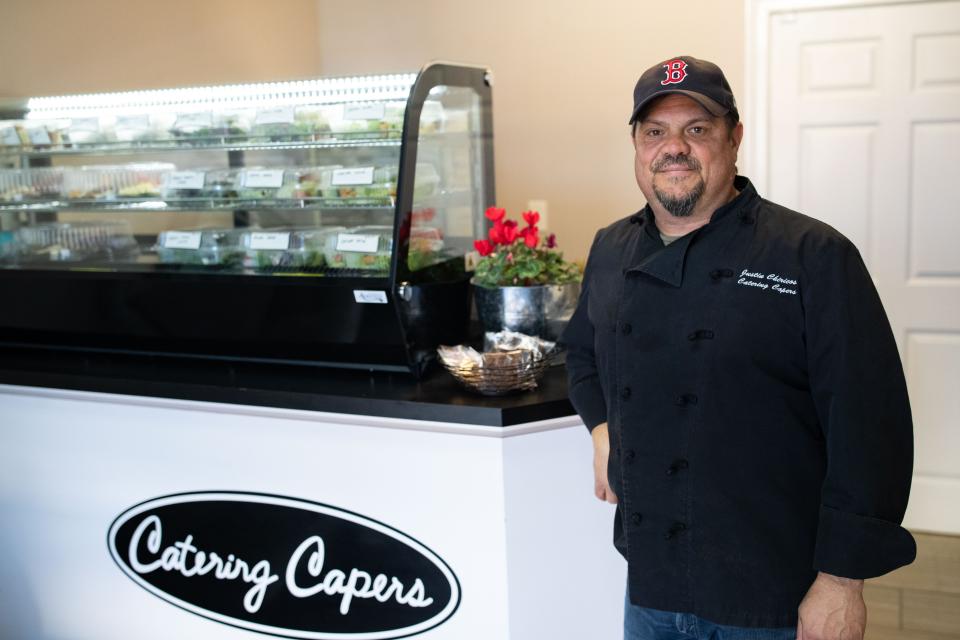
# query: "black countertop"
{"points": [[436, 397]]}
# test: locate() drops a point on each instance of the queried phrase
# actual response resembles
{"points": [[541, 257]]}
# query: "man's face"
{"points": [[684, 155]]}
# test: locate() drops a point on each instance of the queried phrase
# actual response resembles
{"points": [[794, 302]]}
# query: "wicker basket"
{"points": [[493, 380]]}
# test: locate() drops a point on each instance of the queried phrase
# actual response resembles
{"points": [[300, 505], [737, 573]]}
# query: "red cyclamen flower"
{"points": [[531, 236], [551, 241], [483, 247], [495, 214], [510, 232], [532, 217]]}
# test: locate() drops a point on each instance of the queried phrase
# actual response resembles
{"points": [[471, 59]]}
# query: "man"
{"points": [[743, 390]]}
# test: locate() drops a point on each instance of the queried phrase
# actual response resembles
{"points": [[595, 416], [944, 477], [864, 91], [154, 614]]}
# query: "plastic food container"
{"points": [[259, 183], [208, 184], [312, 121], [209, 247], [86, 130], [368, 117], [14, 134], [301, 183], [360, 248], [221, 183], [76, 241], [292, 249], [30, 185], [365, 182], [111, 182]]}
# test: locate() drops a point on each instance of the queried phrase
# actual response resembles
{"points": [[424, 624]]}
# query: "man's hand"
{"points": [[833, 609], [601, 452]]}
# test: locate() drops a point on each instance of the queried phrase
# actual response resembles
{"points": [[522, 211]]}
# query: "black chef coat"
{"points": [[759, 424]]}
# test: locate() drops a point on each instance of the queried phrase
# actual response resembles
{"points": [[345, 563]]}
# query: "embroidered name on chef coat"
{"points": [[772, 282]]}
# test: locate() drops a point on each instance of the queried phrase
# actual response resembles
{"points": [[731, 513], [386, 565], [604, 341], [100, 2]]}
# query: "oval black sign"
{"points": [[283, 566]]}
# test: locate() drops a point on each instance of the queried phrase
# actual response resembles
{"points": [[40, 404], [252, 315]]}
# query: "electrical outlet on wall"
{"points": [[541, 207]]}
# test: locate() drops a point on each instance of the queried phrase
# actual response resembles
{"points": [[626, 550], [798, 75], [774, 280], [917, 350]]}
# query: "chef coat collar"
{"points": [[665, 263]]}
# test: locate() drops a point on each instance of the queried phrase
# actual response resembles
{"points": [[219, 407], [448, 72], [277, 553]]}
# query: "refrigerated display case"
{"points": [[322, 222]]}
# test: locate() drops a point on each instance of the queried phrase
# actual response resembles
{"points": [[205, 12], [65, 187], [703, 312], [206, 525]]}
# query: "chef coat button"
{"points": [[636, 518], [627, 328], [675, 528], [629, 455], [625, 393]]}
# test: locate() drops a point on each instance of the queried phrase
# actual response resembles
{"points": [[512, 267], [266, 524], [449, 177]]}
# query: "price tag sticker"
{"points": [[135, 123], [194, 120], [353, 176], [264, 240], [364, 296], [263, 178], [185, 179], [276, 115], [357, 242], [9, 137], [182, 240], [39, 136], [88, 125], [365, 111]]}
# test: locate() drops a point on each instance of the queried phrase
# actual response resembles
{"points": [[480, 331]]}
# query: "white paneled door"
{"points": [[864, 133]]}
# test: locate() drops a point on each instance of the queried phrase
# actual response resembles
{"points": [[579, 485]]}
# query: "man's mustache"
{"points": [[681, 161]]}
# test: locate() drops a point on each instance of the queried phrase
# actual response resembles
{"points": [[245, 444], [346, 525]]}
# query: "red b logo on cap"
{"points": [[676, 72]]}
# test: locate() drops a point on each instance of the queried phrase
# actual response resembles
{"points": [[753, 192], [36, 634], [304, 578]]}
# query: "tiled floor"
{"points": [[920, 601]]}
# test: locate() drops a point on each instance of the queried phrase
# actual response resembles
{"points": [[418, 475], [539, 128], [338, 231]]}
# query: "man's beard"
{"points": [[679, 206]]}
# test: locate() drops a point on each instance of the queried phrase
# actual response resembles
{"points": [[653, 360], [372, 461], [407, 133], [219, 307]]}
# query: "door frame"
{"points": [[757, 17]]}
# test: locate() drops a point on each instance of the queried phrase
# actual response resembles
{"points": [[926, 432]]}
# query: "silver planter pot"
{"points": [[541, 310]]}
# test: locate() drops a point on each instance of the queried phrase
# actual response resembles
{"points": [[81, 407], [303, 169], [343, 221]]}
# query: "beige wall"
{"points": [[50, 47], [564, 69], [564, 72]]}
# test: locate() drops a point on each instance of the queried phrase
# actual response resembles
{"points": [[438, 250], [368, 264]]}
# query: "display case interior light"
{"points": [[240, 96]]}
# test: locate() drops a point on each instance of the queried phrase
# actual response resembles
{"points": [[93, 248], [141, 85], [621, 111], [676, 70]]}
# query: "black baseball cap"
{"points": [[701, 80]]}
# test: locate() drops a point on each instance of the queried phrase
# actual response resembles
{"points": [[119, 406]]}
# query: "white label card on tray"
{"points": [[365, 111], [137, 123], [185, 180], [191, 120], [357, 242], [9, 137], [353, 176], [370, 297], [38, 135], [91, 125], [263, 240], [276, 115], [182, 240], [263, 178]]}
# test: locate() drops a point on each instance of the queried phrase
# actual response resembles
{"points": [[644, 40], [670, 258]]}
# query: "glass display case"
{"points": [[322, 221]]}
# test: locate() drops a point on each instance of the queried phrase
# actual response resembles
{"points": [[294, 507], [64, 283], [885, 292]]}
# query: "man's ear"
{"points": [[736, 136]]}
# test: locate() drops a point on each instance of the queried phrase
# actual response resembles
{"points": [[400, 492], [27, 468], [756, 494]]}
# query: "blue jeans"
{"points": [[640, 623]]}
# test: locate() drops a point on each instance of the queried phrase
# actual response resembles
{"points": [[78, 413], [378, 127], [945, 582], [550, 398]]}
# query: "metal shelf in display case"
{"points": [[320, 222]]}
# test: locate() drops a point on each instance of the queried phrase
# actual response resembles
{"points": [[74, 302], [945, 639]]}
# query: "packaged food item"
{"points": [[300, 183], [221, 183], [289, 249], [110, 182], [368, 248], [312, 121], [31, 185], [259, 183], [14, 134], [76, 241], [86, 130], [141, 180], [365, 182], [207, 247], [369, 117], [135, 127]]}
